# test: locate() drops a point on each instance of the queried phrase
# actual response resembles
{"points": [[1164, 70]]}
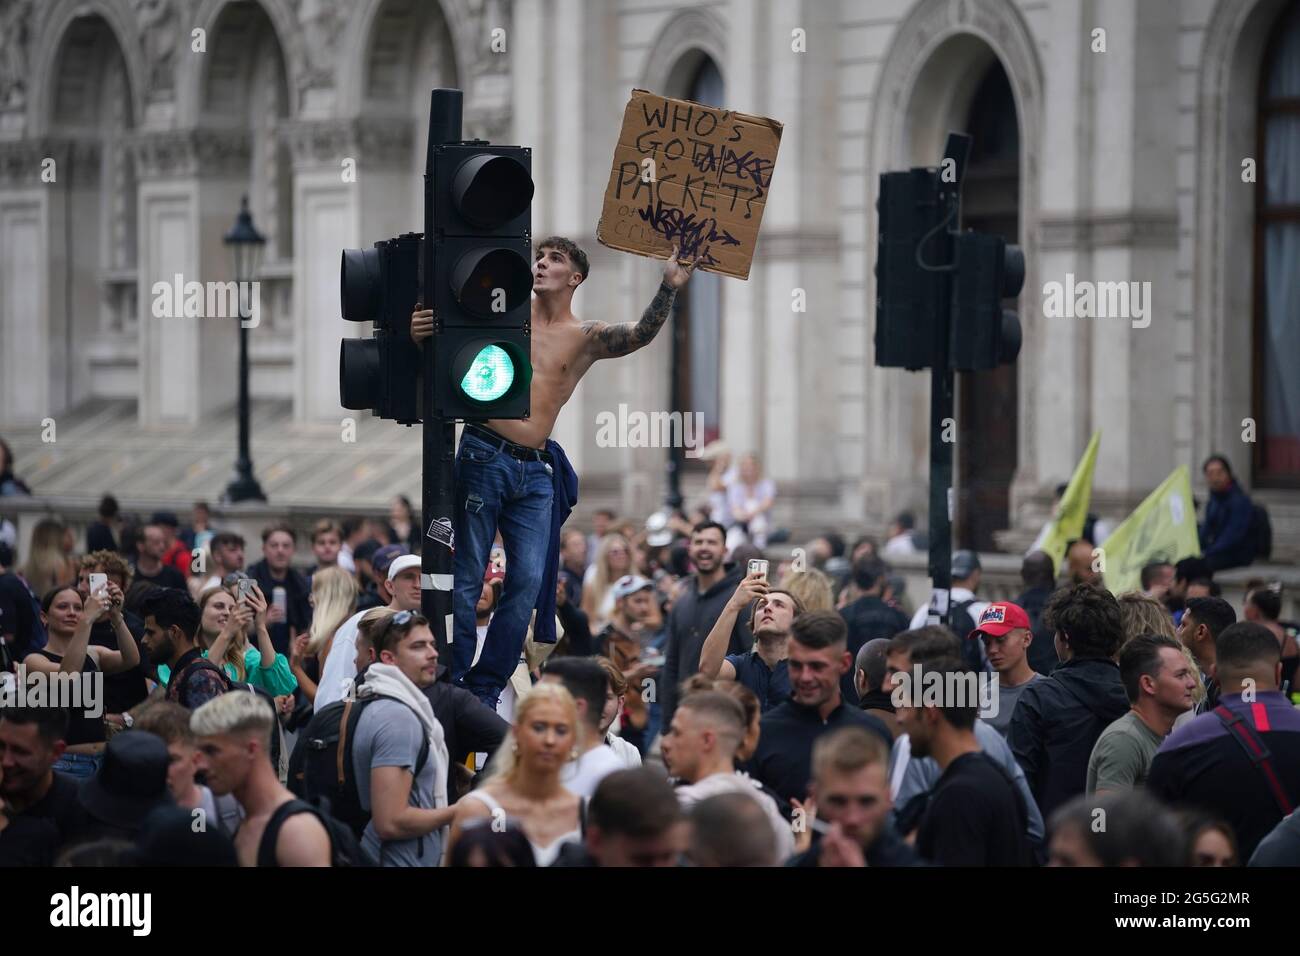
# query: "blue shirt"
{"points": [[772, 686]]}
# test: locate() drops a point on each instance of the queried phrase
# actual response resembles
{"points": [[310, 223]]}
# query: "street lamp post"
{"points": [[246, 245]]}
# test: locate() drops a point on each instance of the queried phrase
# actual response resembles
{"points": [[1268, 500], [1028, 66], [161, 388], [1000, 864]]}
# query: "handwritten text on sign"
{"points": [[689, 174]]}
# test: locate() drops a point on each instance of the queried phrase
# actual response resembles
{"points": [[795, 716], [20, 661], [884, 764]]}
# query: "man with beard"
{"points": [[171, 624], [697, 610], [763, 669]]}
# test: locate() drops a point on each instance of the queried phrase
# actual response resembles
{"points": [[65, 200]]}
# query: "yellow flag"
{"points": [[1163, 527], [1072, 512]]}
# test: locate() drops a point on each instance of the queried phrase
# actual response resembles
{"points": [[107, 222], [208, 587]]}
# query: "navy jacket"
{"points": [[1225, 535], [566, 496]]}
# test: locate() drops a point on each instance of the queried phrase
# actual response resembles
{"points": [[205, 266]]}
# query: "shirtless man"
{"points": [[504, 474], [234, 732]]}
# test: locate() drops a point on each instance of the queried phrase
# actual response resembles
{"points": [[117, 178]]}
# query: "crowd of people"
{"points": [[700, 704]]}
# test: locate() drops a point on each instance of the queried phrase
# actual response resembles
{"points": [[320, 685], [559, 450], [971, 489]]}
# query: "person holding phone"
{"points": [[763, 668]]}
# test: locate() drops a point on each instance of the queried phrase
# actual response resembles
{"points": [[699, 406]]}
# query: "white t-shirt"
{"points": [[583, 775], [955, 596], [341, 665], [628, 754]]}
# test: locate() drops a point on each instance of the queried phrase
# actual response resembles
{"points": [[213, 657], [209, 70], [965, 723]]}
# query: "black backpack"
{"points": [[1261, 531], [961, 623], [320, 768], [345, 849], [232, 684]]}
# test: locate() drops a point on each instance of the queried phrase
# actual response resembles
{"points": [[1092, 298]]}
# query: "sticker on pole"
{"points": [[440, 530]]}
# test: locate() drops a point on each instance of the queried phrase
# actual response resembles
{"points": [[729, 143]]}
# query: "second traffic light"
{"points": [[984, 334], [481, 280]]}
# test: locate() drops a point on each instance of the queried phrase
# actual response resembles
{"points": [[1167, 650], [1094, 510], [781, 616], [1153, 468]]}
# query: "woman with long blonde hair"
{"points": [[524, 779], [333, 599], [613, 560], [47, 562]]}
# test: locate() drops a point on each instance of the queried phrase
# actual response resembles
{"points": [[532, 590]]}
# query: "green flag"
{"points": [[1163, 527], [1072, 511]]}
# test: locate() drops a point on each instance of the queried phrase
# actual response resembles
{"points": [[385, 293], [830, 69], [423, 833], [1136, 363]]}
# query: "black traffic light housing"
{"points": [[482, 280], [984, 334], [381, 285]]}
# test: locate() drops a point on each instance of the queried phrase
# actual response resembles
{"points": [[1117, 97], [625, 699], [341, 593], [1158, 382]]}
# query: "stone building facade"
{"points": [[1118, 162]]}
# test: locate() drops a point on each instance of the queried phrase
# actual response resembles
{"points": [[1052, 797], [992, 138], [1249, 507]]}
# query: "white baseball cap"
{"points": [[401, 563], [630, 584]]}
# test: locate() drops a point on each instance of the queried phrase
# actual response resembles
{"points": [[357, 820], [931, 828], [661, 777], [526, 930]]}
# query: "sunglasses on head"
{"points": [[403, 620]]}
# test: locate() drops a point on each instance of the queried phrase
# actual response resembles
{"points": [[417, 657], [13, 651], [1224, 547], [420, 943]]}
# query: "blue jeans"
{"points": [[495, 490], [79, 765]]}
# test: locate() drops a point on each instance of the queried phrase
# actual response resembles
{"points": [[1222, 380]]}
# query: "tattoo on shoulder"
{"points": [[616, 340]]}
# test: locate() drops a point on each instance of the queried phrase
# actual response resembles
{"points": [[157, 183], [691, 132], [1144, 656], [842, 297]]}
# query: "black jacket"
{"points": [[1042, 651], [1226, 535], [468, 725], [689, 623], [297, 610], [887, 850], [868, 618], [783, 760], [1056, 723]]}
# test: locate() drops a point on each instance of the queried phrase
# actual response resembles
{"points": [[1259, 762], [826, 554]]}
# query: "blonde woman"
{"points": [[333, 599], [48, 563], [613, 560], [524, 782], [811, 588]]}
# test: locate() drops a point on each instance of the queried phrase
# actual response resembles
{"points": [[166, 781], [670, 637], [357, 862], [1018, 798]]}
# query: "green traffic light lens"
{"points": [[489, 376]]}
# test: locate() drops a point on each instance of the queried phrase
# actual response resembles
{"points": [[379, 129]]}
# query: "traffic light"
{"points": [[482, 280], [911, 296], [984, 335], [382, 285]]}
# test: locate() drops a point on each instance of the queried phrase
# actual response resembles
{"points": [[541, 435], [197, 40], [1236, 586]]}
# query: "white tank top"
{"points": [[544, 855]]}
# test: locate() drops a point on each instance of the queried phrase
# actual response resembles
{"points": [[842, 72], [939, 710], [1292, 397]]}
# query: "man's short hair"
{"points": [[1246, 646], [584, 679], [906, 520], [167, 720], [731, 829], [1221, 460], [1089, 617], [172, 607], [1139, 828], [872, 660], [1190, 569], [1141, 656], [1149, 572], [637, 803], [960, 690], [926, 643], [1215, 613], [847, 750], [234, 713], [1267, 599], [51, 722], [570, 249], [816, 630], [275, 526], [325, 526], [225, 539], [386, 634], [1037, 570], [108, 507], [747, 699], [720, 711], [868, 570], [108, 562], [706, 525], [351, 525]]}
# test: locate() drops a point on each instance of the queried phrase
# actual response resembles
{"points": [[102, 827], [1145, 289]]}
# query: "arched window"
{"points": [[1276, 382], [698, 323]]}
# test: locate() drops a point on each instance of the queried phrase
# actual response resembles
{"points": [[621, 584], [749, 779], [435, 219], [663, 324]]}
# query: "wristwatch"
{"points": [[128, 721]]}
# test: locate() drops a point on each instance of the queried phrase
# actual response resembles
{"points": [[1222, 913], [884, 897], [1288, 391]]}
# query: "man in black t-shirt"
{"points": [[31, 742], [975, 816], [152, 545]]}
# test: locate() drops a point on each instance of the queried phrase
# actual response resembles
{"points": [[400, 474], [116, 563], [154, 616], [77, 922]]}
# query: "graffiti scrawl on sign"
{"points": [[689, 174]]}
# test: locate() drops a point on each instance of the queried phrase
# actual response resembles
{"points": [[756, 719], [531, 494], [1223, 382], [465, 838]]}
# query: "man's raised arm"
{"points": [[611, 341]]}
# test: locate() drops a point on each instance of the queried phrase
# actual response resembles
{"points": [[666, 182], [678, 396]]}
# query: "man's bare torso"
{"points": [[561, 355]]}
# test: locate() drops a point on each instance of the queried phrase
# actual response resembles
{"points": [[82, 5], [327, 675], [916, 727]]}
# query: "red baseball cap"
{"points": [[1000, 618]]}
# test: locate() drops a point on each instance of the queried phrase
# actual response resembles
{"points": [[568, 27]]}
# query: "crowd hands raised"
{"points": [[702, 706]]}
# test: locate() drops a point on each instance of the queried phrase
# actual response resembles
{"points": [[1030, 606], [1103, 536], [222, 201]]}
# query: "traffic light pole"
{"points": [[438, 486]]}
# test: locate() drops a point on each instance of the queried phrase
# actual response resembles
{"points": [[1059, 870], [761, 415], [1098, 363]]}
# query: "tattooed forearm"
{"points": [[612, 341]]}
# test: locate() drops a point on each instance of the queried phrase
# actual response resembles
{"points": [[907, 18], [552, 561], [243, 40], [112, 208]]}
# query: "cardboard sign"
{"points": [[689, 174]]}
